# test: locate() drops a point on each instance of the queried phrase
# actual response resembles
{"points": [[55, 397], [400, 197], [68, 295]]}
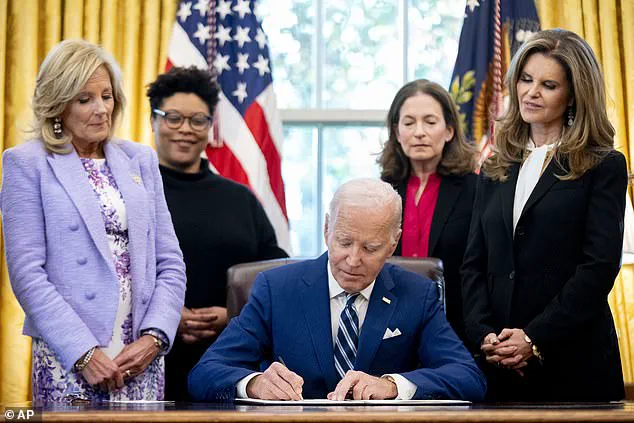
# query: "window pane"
{"points": [[433, 38], [299, 170], [349, 152], [363, 53], [290, 28]]}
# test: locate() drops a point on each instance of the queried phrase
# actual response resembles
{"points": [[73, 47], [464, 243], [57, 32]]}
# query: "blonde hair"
{"points": [[63, 74], [591, 136]]}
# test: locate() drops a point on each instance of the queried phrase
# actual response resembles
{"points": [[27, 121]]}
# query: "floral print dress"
{"points": [[51, 382]]}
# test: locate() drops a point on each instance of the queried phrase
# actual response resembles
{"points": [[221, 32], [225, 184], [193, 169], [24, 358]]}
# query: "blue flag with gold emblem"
{"points": [[472, 79]]}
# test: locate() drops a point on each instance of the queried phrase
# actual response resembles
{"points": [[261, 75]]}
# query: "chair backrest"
{"points": [[240, 277]]}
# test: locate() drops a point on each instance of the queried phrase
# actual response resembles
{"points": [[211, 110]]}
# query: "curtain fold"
{"points": [[608, 26], [136, 33], [19, 76]]}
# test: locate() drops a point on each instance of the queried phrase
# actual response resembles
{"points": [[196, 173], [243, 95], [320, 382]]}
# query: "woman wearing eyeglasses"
{"points": [[218, 222]]}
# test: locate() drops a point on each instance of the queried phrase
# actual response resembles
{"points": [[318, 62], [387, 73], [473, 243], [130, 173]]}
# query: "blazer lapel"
{"points": [[127, 174], [546, 180], [376, 320], [71, 175], [507, 197], [316, 304], [449, 192]]}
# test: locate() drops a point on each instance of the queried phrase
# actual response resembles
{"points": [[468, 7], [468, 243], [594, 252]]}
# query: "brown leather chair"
{"points": [[240, 277]]}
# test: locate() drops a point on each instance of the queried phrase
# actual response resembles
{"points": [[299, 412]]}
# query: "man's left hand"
{"points": [[363, 387], [135, 357]]}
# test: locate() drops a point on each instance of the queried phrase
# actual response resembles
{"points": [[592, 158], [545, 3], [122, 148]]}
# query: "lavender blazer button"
{"points": [[82, 260], [73, 226], [90, 295]]}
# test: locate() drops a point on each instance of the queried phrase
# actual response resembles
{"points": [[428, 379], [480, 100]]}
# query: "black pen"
{"points": [[281, 360]]}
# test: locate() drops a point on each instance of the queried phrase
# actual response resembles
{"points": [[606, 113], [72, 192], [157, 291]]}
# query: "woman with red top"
{"points": [[429, 162]]}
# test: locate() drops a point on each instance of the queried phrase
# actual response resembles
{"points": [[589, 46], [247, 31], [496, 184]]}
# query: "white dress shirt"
{"points": [[405, 388]]}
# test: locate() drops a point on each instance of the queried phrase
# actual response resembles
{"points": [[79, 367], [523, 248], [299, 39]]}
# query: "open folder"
{"points": [[322, 402]]}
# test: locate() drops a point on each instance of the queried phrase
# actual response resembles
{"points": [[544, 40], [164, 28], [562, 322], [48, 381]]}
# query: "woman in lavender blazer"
{"points": [[90, 246]]}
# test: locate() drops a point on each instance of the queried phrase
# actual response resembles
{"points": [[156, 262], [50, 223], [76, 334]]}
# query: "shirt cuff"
{"points": [[157, 333], [241, 386], [405, 389]]}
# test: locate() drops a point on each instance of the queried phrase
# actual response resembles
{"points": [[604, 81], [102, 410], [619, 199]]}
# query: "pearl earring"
{"points": [[571, 116], [57, 127]]}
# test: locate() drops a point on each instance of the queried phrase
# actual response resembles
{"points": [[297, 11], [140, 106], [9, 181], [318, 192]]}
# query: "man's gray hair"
{"points": [[367, 193]]}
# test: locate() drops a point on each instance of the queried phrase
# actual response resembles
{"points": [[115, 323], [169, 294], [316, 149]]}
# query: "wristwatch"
{"points": [[156, 338], [536, 352]]}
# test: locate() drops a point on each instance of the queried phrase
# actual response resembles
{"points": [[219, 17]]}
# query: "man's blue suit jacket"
{"points": [[288, 317]]}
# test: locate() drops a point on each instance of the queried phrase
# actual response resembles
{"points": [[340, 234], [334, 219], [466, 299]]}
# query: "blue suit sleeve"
{"points": [[239, 350]]}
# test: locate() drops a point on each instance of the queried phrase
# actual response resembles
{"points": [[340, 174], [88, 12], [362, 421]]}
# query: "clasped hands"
{"points": [[133, 359], [279, 383], [509, 349], [198, 324]]}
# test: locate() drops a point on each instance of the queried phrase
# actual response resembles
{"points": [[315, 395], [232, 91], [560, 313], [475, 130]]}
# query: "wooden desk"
{"points": [[516, 413]]}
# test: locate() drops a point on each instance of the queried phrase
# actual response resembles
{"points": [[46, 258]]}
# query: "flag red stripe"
{"points": [[257, 124], [168, 65], [227, 164]]}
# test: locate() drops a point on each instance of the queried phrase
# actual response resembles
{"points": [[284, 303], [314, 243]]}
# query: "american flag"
{"points": [[228, 35], [492, 31]]}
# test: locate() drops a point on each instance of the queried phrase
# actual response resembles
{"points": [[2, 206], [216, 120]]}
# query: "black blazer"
{"points": [[448, 236], [551, 279]]}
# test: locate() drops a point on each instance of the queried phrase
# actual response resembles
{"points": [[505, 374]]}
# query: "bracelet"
{"points": [[157, 342], [159, 338], [83, 360], [536, 352]]}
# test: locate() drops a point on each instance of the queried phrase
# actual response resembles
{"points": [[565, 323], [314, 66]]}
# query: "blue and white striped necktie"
{"points": [[347, 337]]}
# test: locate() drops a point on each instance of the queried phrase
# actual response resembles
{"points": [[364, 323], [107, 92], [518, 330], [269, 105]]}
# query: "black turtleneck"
{"points": [[218, 223]]}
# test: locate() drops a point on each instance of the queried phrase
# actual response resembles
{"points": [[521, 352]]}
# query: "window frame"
{"points": [[318, 118]]}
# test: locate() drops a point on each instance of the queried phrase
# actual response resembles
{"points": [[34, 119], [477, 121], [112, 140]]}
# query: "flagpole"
{"points": [[497, 70], [211, 45], [214, 132]]}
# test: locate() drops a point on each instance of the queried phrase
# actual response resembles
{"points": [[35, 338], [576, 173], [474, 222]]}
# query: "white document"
{"points": [[321, 402]]}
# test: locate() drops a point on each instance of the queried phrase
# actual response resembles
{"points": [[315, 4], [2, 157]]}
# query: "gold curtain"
{"points": [[608, 25], [137, 33]]}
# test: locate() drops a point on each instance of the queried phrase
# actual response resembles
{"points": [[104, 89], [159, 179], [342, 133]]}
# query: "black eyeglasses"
{"points": [[174, 119]]}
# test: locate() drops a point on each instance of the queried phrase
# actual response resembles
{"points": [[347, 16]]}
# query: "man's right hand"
{"points": [[101, 370], [276, 383]]}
